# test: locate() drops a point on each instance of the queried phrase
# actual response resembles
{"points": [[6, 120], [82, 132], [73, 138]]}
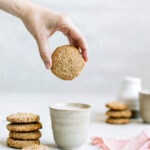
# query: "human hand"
{"points": [[42, 23]]}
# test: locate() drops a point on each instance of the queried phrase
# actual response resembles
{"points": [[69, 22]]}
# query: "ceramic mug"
{"points": [[70, 124], [144, 99]]}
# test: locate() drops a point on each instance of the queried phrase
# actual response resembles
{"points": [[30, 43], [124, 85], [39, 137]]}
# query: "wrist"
{"points": [[23, 8], [15, 7]]}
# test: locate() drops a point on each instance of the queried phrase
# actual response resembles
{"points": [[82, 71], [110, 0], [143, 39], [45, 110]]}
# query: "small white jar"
{"points": [[129, 94]]}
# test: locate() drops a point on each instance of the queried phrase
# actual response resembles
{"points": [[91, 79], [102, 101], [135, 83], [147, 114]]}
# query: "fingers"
{"points": [[74, 36], [44, 51], [76, 39]]}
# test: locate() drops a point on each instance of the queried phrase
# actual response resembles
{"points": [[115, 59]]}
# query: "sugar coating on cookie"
{"points": [[36, 147], [23, 118], [67, 62], [25, 135], [24, 127], [20, 143], [116, 105]]}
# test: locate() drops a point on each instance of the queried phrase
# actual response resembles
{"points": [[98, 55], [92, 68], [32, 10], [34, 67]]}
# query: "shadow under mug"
{"points": [[144, 101], [70, 124]]}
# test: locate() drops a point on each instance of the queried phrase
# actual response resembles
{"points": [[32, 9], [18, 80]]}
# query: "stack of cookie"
{"points": [[118, 113], [23, 130]]}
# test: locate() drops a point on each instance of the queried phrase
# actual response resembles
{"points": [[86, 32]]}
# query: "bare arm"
{"points": [[42, 23], [14, 7]]}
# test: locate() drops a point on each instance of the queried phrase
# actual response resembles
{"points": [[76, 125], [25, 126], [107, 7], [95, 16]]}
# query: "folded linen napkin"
{"points": [[141, 142]]}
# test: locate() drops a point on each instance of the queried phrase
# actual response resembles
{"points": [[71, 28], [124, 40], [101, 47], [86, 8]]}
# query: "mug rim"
{"points": [[145, 92], [82, 106]]}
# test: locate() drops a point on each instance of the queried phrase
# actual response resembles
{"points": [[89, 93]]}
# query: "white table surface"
{"points": [[39, 103]]}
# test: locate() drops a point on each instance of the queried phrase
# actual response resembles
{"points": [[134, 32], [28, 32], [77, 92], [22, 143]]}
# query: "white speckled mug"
{"points": [[144, 97], [70, 124]]}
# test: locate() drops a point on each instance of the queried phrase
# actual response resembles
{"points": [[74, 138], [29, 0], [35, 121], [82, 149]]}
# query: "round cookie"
{"points": [[21, 143], [118, 120], [24, 127], [116, 105], [119, 113], [25, 135], [23, 118], [67, 62], [36, 147]]}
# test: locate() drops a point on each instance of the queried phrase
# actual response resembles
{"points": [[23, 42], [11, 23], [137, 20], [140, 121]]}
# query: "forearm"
{"points": [[15, 7]]}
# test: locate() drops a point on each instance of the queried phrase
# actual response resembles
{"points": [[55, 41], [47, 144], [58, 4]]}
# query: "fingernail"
{"points": [[86, 59], [85, 55], [48, 65]]}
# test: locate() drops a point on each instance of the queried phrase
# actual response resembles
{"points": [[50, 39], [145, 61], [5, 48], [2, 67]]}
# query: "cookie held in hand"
{"points": [[67, 62]]}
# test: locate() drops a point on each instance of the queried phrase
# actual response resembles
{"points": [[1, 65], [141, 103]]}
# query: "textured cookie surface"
{"points": [[118, 120], [14, 127], [25, 135], [23, 118], [119, 113], [67, 62], [21, 143], [36, 147], [117, 106]]}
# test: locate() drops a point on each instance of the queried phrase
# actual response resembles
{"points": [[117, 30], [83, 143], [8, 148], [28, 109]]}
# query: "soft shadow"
{"points": [[3, 143], [98, 117], [54, 146]]}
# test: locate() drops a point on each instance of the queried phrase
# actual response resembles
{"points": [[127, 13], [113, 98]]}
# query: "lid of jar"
{"points": [[145, 91], [132, 79]]}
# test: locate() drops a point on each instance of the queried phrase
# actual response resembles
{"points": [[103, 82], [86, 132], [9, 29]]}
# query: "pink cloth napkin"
{"points": [[141, 142]]}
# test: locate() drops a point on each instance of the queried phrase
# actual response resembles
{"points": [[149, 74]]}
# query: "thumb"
{"points": [[44, 52]]}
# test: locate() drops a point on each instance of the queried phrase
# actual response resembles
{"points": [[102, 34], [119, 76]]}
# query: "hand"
{"points": [[42, 23]]}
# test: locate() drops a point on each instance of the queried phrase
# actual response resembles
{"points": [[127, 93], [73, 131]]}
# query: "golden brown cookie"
{"points": [[23, 118], [118, 120], [25, 135], [116, 105], [36, 147], [119, 113], [21, 143], [67, 62], [22, 127]]}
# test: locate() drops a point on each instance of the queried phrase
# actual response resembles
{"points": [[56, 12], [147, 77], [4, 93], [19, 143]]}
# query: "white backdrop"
{"points": [[118, 35]]}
